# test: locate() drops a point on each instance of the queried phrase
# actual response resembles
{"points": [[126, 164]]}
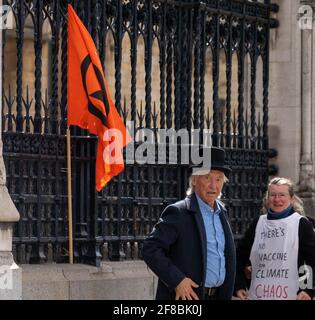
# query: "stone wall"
{"points": [[129, 280], [291, 97], [285, 90]]}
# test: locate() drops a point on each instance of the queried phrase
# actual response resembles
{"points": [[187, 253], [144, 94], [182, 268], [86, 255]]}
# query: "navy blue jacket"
{"points": [[176, 248]]}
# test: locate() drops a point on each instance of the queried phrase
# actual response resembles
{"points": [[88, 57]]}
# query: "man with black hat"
{"points": [[191, 248]]}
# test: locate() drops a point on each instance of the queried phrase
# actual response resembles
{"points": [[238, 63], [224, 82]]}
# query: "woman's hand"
{"points": [[242, 294], [303, 296]]}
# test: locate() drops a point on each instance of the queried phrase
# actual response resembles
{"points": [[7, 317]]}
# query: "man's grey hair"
{"points": [[191, 188]]}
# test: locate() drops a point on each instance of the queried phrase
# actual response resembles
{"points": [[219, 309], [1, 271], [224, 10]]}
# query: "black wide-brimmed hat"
{"points": [[217, 161]]}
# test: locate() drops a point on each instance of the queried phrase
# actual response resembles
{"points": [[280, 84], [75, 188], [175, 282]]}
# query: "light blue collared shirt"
{"points": [[215, 272]]}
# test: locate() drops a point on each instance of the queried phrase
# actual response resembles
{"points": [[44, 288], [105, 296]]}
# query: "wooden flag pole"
{"points": [[69, 197]]}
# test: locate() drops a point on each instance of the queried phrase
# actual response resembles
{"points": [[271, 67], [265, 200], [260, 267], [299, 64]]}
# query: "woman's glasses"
{"points": [[280, 195]]}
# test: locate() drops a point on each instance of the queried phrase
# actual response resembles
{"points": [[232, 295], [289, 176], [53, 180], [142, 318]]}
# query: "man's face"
{"points": [[209, 186]]}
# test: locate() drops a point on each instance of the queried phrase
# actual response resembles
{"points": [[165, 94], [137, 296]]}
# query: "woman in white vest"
{"points": [[279, 245]]}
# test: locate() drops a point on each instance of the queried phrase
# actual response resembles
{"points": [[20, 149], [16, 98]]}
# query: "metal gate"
{"points": [[189, 46]]}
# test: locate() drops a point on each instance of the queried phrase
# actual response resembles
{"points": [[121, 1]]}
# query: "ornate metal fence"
{"points": [[191, 37]]}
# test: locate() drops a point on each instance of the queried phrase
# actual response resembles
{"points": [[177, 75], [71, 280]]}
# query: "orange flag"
{"points": [[89, 103]]}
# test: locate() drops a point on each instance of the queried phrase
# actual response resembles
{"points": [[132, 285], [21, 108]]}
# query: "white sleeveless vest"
{"points": [[274, 259]]}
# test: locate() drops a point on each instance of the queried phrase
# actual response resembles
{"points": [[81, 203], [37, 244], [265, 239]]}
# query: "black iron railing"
{"points": [[191, 37]]}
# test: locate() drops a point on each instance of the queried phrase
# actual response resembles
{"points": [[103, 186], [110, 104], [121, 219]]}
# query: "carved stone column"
{"points": [[307, 179], [10, 273]]}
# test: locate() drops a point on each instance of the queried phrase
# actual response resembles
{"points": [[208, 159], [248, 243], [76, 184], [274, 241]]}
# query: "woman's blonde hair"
{"points": [[297, 202]]}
